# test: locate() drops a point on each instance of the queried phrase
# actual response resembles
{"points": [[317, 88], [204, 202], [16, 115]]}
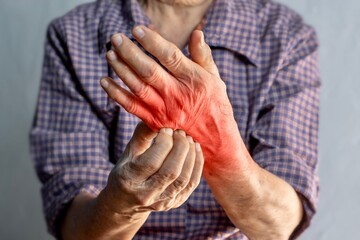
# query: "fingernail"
{"points": [[117, 40], [138, 32], [168, 131], [104, 83], [197, 147], [181, 132], [111, 55], [190, 139]]}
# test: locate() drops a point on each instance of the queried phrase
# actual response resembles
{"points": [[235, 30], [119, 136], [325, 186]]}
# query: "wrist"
{"points": [[239, 172], [106, 205], [230, 157]]}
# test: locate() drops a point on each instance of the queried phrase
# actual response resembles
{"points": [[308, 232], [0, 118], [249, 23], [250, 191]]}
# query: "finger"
{"points": [[152, 159], [145, 67], [173, 164], [166, 52], [127, 100], [138, 87], [194, 179], [142, 139], [181, 182], [201, 52]]}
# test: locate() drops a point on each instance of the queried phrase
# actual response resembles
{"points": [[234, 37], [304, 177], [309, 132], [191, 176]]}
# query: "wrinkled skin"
{"points": [[187, 94], [156, 172]]}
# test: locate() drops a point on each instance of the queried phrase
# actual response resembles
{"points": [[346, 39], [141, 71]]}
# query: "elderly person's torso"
{"points": [[271, 78]]}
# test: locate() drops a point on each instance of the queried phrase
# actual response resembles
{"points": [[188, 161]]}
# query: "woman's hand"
{"points": [[187, 94], [156, 172]]}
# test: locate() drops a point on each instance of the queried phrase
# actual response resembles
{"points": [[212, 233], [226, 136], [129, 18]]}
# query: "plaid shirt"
{"points": [[265, 54]]}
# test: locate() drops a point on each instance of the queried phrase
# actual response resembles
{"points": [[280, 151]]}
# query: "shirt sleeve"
{"points": [[69, 142], [285, 136]]}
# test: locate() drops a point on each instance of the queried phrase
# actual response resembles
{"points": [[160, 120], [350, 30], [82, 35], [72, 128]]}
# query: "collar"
{"points": [[119, 16], [230, 24]]}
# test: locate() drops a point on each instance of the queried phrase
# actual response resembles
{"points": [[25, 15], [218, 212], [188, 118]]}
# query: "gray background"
{"points": [[22, 29]]}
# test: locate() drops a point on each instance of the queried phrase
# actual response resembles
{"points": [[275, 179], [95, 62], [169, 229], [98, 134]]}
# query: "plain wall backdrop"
{"points": [[22, 33]]}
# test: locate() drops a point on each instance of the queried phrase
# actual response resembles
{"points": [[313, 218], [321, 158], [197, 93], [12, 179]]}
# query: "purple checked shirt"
{"points": [[265, 54]]}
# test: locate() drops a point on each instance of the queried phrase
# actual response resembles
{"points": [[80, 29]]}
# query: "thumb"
{"points": [[141, 140], [201, 52]]}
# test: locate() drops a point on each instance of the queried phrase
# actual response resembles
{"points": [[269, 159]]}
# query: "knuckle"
{"points": [[168, 143], [182, 143], [130, 106], [151, 167], [192, 184], [135, 166], [142, 166], [166, 196], [142, 92], [170, 174], [156, 156], [115, 177], [149, 73], [122, 181], [180, 183], [165, 140], [172, 58], [152, 74]]}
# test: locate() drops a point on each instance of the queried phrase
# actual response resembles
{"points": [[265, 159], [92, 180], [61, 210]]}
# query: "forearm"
{"points": [[89, 218], [276, 211], [259, 203]]}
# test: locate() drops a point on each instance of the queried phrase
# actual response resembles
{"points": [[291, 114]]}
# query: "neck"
{"points": [[176, 19]]}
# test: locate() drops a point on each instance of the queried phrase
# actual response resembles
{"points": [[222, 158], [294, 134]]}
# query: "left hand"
{"points": [[190, 96]]}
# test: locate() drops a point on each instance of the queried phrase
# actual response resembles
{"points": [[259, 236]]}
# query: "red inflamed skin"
{"points": [[183, 93]]}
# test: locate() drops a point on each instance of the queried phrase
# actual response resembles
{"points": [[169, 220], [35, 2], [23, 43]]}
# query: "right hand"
{"points": [[156, 172], [187, 94]]}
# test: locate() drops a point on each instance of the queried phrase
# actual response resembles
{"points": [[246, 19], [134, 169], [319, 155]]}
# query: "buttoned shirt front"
{"points": [[266, 56]]}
